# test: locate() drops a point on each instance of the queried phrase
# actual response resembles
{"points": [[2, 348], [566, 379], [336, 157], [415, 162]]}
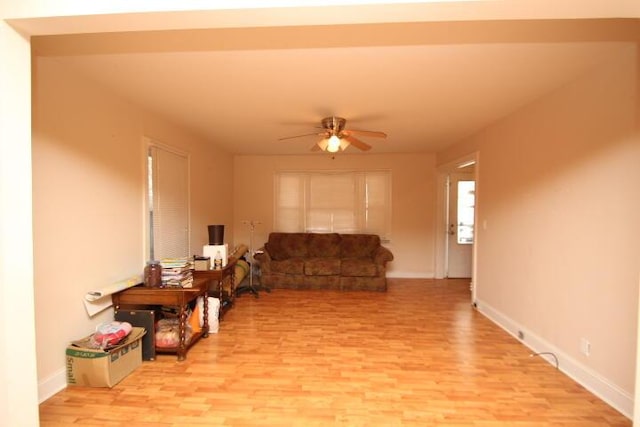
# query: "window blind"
{"points": [[341, 202], [169, 203]]}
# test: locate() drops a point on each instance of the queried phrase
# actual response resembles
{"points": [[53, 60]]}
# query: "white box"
{"points": [[212, 250]]}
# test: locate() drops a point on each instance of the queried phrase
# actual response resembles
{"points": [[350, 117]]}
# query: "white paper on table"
{"points": [[99, 299]]}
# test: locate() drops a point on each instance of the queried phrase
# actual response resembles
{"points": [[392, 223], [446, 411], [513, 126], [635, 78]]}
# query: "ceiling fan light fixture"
{"points": [[335, 137], [334, 144]]}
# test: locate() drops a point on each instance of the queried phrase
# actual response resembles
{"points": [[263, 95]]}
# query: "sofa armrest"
{"points": [[382, 256]]}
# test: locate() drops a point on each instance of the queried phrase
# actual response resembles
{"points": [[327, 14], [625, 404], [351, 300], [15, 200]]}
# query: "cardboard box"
{"points": [[202, 263], [103, 368]]}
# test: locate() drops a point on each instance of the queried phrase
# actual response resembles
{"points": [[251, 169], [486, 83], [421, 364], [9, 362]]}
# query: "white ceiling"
{"points": [[427, 85]]}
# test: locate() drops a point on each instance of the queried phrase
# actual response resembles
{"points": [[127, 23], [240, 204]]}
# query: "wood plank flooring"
{"points": [[417, 355]]}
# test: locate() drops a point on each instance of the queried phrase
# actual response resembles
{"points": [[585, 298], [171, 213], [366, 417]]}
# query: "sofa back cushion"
{"points": [[287, 245], [359, 245], [324, 245]]}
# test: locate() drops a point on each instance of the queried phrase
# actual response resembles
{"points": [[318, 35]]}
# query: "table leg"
{"points": [[205, 313], [220, 296], [182, 328]]}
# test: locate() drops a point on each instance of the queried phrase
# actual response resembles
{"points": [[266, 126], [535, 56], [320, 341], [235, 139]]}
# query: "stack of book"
{"points": [[176, 273]]}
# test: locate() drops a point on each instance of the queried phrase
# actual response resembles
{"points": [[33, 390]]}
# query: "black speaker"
{"points": [[143, 319], [216, 234]]}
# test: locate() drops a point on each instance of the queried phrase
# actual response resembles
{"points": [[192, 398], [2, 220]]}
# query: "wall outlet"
{"points": [[585, 346]]}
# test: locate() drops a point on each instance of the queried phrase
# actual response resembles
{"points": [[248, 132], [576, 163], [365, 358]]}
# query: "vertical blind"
{"points": [[168, 203], [341, 202]]}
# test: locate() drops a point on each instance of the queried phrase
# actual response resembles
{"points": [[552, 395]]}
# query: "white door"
{"points": [[460, 221]]}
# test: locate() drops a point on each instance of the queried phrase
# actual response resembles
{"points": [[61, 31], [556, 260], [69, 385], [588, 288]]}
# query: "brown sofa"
{"points": [[324, 261]]}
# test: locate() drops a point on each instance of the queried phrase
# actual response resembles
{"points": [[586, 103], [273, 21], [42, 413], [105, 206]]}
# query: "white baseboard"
{"points": [[409, 275], [52, 384], [592, 381]]}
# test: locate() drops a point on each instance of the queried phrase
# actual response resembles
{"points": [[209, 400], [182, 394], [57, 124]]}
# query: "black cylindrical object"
{"points": [[216, 234]]}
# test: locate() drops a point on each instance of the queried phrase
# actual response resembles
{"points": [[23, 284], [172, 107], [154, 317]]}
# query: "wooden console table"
{"points": [[176, 297], [218, 277]]}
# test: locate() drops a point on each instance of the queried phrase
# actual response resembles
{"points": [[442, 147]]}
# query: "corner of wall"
{"points": [[52, 385], [592, 381]]}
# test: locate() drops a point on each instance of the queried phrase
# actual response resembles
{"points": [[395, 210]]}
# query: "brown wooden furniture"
{"points": [[176, 297], [217, 278]]}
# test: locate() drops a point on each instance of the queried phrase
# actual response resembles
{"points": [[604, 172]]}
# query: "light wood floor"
{"points": [[417, 355]]}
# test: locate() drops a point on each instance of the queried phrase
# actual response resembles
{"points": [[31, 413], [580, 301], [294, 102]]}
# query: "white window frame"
{"points": [[353, 212]]}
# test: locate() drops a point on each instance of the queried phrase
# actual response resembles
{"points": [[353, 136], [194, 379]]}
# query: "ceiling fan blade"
{"points": [[300, 136], [371, 133], [316, 147], [357, 143]]}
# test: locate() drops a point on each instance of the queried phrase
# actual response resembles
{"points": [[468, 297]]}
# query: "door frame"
{"points": [[442, 226]]}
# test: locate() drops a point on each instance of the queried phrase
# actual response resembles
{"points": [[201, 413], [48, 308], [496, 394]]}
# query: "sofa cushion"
{"points": [[282, 246], [322, 266], [324, 245], [288, 266], [359, 245], [358, 267]]}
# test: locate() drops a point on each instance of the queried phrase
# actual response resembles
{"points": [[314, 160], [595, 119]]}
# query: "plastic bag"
{"points": [[168, 333], [110, 334], [213, 304]]}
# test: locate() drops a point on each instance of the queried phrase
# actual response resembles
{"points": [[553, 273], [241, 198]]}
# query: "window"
{"points": [[168, 203], [340, 202], [466, 206]]}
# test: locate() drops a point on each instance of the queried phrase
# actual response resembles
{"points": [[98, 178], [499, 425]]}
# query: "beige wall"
{"points": [[558, 225], [18, 387], [413, 212], [88, 192]]}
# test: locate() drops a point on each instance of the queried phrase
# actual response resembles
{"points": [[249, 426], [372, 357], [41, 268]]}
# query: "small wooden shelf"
{"points": [[177, 297]]}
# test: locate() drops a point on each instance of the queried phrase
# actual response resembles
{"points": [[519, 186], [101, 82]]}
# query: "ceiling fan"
{"points": [[336, 137]]}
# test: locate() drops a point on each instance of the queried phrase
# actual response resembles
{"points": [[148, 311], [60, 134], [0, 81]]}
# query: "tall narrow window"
{"points": [[168, 203], [466, 206], [335, 201], [377, 202], [289, 203]]}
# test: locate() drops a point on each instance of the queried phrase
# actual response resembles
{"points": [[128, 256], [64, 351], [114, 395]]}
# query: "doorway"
{"points": [[452, 256], [460, 213]]}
